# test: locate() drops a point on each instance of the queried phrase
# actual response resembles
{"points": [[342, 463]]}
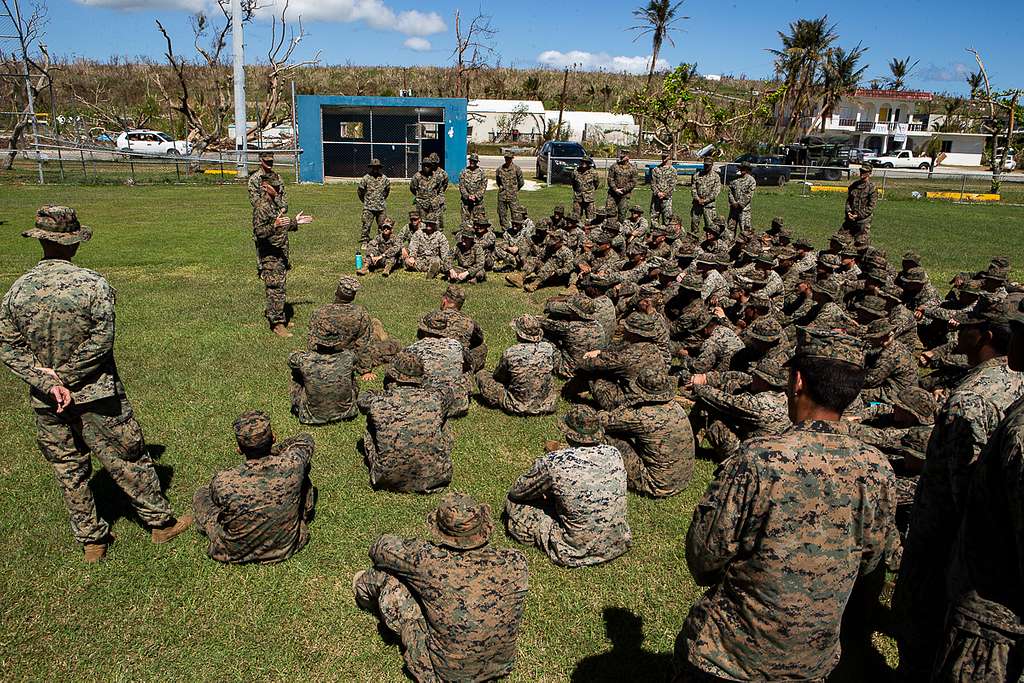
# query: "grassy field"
{"points": [[194, 352]]}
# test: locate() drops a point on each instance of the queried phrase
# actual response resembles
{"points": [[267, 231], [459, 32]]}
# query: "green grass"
{"points": [[194, 352]]}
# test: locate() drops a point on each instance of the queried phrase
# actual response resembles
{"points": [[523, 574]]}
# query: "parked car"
{"points": [[901, 158], [682, 169], [1011, 160], [767, 170], [151, 142], [565, 157], [861, 155]]}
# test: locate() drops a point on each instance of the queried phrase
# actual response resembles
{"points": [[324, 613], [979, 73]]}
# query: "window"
{"points": [[430, 131], [947, 146], [469, 131], [351, 130]]}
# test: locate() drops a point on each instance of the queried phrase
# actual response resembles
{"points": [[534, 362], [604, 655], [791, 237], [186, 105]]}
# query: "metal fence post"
{"points": [[884, 176], [549, 169], [81, 153], [963, 186]]}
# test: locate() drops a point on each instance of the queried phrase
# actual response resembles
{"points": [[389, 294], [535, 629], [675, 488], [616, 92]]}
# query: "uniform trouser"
{"points": [[397, 608], [708, 213], [382, 347], [468, 207], [685, 672], [584, 210], [739, 219], [505, 208], [618, 204], [275, 277], [984, 642], [861, 228], [430, 265], [108, 430], [505, 259], [428, 210], [387, 262], [661, 209], [607, 394], [530, 525], [369, 216], [722, 440], [477, 357]]}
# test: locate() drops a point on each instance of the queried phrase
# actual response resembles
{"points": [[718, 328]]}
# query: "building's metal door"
{"points": [[412, 149]]}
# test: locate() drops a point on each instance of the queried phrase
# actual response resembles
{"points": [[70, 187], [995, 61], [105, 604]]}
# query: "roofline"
{"points": [[871, 93]]}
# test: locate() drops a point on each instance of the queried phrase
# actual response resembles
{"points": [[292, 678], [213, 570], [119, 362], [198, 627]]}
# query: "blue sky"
{"points": [[722, 37]]}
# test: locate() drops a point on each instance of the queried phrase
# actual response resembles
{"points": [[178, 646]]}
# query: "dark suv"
{"points": [[767, 170], [565, 157]]}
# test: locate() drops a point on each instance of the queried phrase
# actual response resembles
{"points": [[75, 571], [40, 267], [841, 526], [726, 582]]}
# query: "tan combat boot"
{"points": [[94, 552], [168, 532], [280, 330], [515, 279]]}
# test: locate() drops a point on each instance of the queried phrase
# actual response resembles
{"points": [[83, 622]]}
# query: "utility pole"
{"points": [[238, 48]]}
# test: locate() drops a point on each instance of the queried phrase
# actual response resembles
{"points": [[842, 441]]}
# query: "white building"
{"points": [[884, 120], [497, 121], [595, 126]]}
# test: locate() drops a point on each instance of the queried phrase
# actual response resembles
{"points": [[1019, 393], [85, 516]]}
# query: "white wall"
{"points": [[485, 123], [966, 151]]}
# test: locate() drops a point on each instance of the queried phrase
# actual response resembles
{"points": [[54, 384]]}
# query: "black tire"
{"points": [[540, 174], [781, 180], [173, 153], [832, 174], [924, 166], [888, 165]]}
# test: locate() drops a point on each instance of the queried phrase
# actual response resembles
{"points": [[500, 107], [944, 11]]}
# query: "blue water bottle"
{"points": [[359, 260]]}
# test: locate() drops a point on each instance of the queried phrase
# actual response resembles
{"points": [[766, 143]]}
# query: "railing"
{"points": [[885, 126]]}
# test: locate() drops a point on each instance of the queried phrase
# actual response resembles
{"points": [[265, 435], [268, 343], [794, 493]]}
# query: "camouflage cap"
{"points": [[696, 322], [829, 287], [765, 329], [434, 324], [872, 306], [636, 249], [253, 431], [692, 282], [773, 372], [867, 168], [912, 257], [670, 269], [829, 261], [916, 275], [455, 294], [415, 213], [481, 222], [635, 209], [745, 166], [653, 385], [642, 325], [879, 328], [527, 328], [474, 157], [507, 153], [375, 163], [386, 222], [433, 158], [460, 523], [559, 210], [826, 344], [918, 402], [623, 153], [989, 311], [58, 224], [581, 425], [406, 368], [266, 156], [347, 288]]}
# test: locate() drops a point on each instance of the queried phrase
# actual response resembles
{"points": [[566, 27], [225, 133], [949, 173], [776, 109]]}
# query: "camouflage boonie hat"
{"points": [[714, 228], [873, 306], [912, 257], [642, 325], [635, 209], [916, 275], [840, 240], [878, 329], [406, 368], [867, 168], [1016, 317], [253, 431], [829, 287], [989, 311], [58, 224], [387, 223], [455, 294], [766, 258], [751, 279], [612, 225], [415, 213], [330, 329], [848, 252], [692, 282], [636, 249], [685, 248], [653, 386], [433, 158], [481, 222], [556, 236], [474, 157], [697, 322], [995, 274], [777, 224], [581, 425], [347, 289], [759, 300], [829, 261], [999, 262], [582, 307], [765, 329], [528, 328], [785, 254], [918, 402], [803, 243], [891, 293], [459, 522], [559, 210], [430, 222], [659, 231], [773, 372], [375, 163], [571, 219], [434, 323], [465, 235], [670, 269], [600, 237], [814, 342]]}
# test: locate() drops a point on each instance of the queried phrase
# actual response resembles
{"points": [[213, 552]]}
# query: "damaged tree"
{"points": [[28, 72]]}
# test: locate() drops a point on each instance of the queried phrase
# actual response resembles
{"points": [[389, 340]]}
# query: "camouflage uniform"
{"points": [[470, 259], [271, 240], [613, 373], [636, 230], [621, 181], [705, 187], [61, 316], [574, 331], [962, 428], [456, 604], [985, 624], [584, 192], [458, 325], [655, 440], [407, 441], [260, 511], [446, 367], [736, 416], [510, 180], [890, 370], [523, 383], [716, 351], [741, 194], [389, 248], [472, 183], [861, 198], [432, 252], [552, 269], [516, 237], [663, 180], [373, 192], [572, 505], [428, 192], [323, 386]]}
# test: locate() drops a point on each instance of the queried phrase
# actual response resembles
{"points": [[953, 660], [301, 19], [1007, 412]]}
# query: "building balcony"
{"points": [[886, 127]]}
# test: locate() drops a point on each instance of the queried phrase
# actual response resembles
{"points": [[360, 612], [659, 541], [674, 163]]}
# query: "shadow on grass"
{"points": [[112, 504], [627, 660]]}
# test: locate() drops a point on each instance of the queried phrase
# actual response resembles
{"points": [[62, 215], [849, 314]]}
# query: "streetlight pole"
{"points": [[238, 48]]}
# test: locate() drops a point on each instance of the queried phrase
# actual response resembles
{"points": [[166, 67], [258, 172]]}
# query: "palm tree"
{"points": [[840, 76], [804, 49], [975, 81], [658, 19], [900, 70]]}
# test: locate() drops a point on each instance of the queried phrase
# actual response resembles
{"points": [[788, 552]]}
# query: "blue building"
{"points": [[339, 135]]}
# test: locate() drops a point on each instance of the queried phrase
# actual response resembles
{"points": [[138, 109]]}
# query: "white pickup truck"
{"points": [[901, 158]]}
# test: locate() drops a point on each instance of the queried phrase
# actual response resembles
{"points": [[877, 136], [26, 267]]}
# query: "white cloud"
{"points": [[594, 61], [417, 43], [374, 13], [956, 71], [188, 5]]}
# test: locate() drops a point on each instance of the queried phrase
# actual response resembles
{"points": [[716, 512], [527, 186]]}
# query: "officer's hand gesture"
{"points": [[62, 396], [303, 219]]}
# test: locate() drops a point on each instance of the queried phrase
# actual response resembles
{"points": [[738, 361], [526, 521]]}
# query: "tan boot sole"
{"points": [[164, 535]]}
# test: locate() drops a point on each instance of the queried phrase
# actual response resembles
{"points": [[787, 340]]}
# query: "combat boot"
{"points": [[280, 330], [388, 268], [433, 270], [515, 279], [170, 531], [532, 284], [94, 552], [365, 270]]}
